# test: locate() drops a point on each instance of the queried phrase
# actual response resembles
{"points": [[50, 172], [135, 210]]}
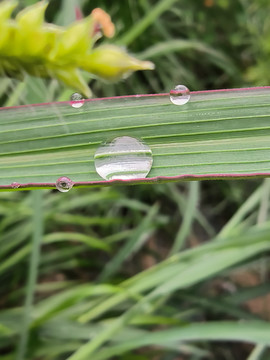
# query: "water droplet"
{"points": [[180, 95], [64, 184], [123, 158], [15, 185], [76, 100]]}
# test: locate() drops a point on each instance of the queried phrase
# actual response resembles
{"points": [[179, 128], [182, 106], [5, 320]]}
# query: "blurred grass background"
{"points": [[97, 241]]}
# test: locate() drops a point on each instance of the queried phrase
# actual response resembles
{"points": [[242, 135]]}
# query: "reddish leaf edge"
{"points": [[139, 181], [138, 96]]}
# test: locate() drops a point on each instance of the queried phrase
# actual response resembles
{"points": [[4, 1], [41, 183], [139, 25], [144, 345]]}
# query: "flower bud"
{"points": [[113, 63]]}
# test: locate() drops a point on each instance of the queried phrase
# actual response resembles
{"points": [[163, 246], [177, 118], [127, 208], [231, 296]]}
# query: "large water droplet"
{"points": [[63, 184], [123, 158], [180, 95], [76, 100]]}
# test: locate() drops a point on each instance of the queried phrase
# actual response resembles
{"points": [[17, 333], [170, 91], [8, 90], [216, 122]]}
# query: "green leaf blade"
{"points": [[217, 134], [247, 331]]}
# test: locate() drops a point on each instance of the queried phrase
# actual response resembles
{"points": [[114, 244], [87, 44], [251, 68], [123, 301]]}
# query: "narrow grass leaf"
{"points": [[186, 268], [32, 275], [188, 218], [247, 331], [138, 237], [218, 134]]}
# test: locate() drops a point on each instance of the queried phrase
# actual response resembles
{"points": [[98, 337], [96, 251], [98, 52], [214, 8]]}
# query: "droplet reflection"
{"points": [[76, 100], [180, 95], [64, 184], [123, 158]]}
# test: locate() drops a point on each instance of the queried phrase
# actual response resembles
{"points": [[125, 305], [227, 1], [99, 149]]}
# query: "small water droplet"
{"points": [[64, 184], [123, 158], [180, 95], [76, 100], [15, 185]]}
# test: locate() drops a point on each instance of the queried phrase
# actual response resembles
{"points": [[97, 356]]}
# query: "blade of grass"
{"points": [[247, 331], [140, 27], [263, 210], [33, 273], [173, 46], [246, 294], [73, 236], [188, 218], [51, 306], [249, 205], [16, 94], [180, 200], [15, 258], [257, 352], [219, 134], [164, 277], [219, 306], [138, 237]]}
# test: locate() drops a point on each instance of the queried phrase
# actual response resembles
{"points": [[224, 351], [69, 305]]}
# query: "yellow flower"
{"points": [[28, 44]]}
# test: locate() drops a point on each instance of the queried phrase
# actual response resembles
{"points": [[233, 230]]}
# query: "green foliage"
{"points": [[108, 285], [215, 135], [126, 305], [259, 27], [45, 50]]}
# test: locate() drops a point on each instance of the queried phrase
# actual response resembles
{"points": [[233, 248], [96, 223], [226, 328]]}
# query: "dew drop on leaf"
{"points": [[76, 100], [64, 184], [123, 158], [180, 95]]}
